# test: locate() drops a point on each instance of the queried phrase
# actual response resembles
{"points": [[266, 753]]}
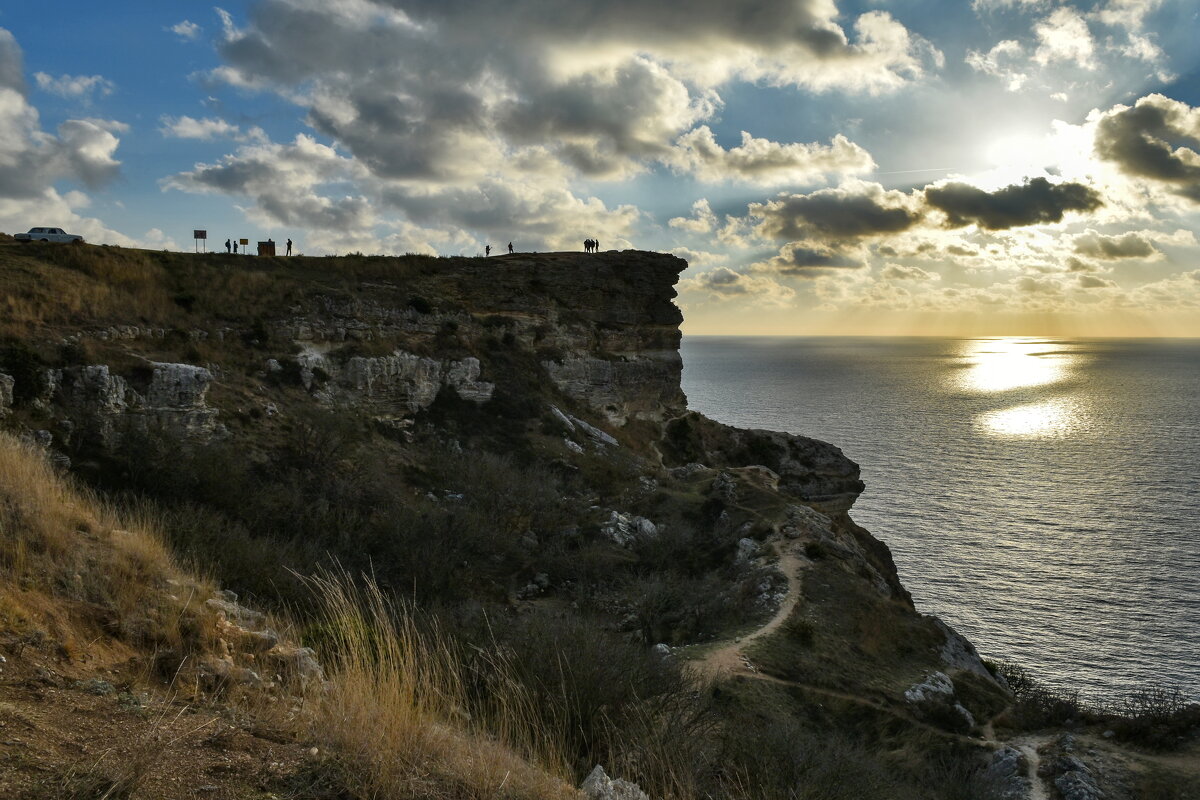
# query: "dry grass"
{"points": [[394, 713], [60, 545]]}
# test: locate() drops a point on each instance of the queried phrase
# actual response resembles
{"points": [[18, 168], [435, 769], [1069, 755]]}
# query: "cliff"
{"points": [[505, 440]]}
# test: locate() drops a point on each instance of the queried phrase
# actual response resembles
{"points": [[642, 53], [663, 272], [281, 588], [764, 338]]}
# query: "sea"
{"points": [[1041, 495]]}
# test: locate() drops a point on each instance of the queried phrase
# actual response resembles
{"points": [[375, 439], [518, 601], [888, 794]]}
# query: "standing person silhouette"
{"points": [[487, 249], [235, 247], [595, 246], [289, 247], [226, 245], [510, 247]]}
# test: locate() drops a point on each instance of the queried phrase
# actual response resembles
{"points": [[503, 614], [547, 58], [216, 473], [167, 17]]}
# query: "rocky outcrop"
{"points": [[103, 406], [936, 700], [808, 469], [407, 383]]}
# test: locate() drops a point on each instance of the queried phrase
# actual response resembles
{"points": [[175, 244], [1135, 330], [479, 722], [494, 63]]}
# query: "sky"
{"points": [[890, 167]]}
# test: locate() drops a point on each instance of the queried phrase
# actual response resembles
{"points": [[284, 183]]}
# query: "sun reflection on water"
{"points": [[1050, 419], [1024, 365], [997, 365]]}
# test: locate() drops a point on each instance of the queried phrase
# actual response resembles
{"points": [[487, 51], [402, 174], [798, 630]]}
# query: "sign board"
{"points": [[243, 241], [199, 234]]}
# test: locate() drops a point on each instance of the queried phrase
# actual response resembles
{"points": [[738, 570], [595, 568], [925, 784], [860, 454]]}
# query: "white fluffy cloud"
{"points": [[74, 86], [207, 129], [767, 163], [186, 29]]}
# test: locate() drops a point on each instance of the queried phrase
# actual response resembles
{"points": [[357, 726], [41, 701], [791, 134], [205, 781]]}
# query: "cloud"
{"points": [[800, 260], [186, 29], [207, 129], [1112, 248], [74, 86], [703, 220], [1063, 36], [606, 87], [725, 283], [1139, 140], [1034, 202], [899, 272], [1001, 62], [284, 181], [851, 211], [764, 162], [1093, 282]]}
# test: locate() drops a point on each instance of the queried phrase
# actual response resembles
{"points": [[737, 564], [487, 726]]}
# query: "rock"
{"points": [[937, 686], [935, 699], [407, 382], [746, 550], [958, 653], [661, 649], [542, 581], [296, 663], [96, 686], [1006, 774], [6, 393], [240, 616], [805, 521], [597, 435], [573, 446], [562, 418], [274, 366], [625, 529], [105, 406], [1075, 781], [724, 486], [598, 786], [218, 672], [687, 471]]}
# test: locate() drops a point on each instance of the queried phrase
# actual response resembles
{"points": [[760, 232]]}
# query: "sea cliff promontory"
{"points": [[495, 455]]}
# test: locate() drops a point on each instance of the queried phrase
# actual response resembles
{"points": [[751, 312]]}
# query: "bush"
{"points": [[1156, 717]]}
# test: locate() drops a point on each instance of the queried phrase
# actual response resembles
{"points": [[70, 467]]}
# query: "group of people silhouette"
{"points": [[591, 246], [231, 246], [487, 249]]}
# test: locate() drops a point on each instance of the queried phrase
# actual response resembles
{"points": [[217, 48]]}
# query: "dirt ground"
{"points": [[69, 732]]}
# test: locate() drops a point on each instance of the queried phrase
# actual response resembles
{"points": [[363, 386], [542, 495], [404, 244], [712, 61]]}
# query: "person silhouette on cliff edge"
{"points": [[289, 247], [487, 249], [510, 247], [227, 246]]}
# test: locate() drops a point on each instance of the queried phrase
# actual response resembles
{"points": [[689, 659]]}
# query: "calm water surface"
{"points": [[1041, 495]]}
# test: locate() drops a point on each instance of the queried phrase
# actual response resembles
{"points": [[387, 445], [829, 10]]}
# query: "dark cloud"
{"points": [[1034, 202], [1147, 141], [1112, 248], [800, 260], [843, 213]]}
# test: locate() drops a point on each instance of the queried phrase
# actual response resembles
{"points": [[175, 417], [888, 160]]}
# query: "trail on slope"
{"points": [[731, 658]]}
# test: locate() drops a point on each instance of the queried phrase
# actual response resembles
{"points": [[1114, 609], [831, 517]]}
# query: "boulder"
{"points": [[598, 786], [625, 529]]}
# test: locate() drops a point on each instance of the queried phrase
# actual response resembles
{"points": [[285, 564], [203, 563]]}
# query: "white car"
{"points": [[47, 235]]}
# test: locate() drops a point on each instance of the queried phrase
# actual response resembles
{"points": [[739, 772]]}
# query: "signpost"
{"points": [[200, 236]]}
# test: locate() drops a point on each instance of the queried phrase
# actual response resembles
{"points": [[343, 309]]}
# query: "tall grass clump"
{"points": [[395, 715], [60, 543]]}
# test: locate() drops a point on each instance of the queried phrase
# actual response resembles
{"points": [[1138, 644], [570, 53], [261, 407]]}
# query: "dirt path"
{"points": [[1028, 745], [731, 659]]}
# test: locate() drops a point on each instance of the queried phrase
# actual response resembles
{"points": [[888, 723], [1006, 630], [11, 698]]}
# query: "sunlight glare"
{"points": [[997, 365], [1050, 419]]}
